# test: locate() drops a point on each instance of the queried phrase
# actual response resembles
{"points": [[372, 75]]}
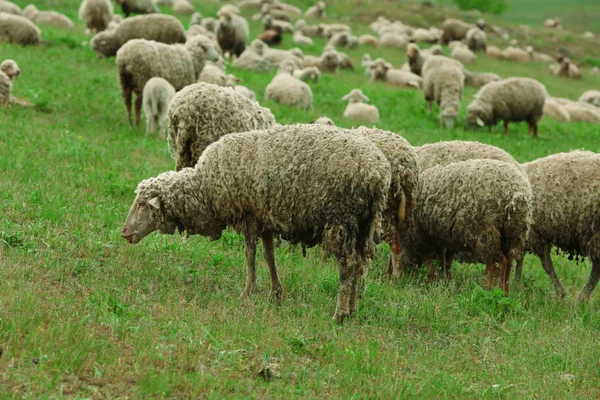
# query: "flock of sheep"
{"points": [[318, 184]]}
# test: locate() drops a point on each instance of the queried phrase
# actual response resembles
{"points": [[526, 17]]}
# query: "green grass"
{"points": [[85, 315]]}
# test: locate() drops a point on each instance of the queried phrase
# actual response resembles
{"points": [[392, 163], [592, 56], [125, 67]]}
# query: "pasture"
{"points": [[85, 315]]}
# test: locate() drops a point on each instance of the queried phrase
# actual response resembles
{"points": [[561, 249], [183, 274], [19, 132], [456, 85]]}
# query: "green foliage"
{"points": [[485, 6]]}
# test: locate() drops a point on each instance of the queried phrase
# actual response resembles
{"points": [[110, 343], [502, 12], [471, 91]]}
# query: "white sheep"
{"points": [[553, 109], [592, 97], [253, 58], [476, 39], [462, 53], [301, 39], [443, 82], [357, 110], [157, 96], [308, 74], [369, 40], [394, 40], [49, 18], [286, 89], [316, 11], [183, 7], [516, 55], [382, 71], [96, 14]]}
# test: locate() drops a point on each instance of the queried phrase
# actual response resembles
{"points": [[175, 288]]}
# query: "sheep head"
{"points": [[355, 96], [478, 115], [140, 222], [103, 43], [379, 69], [10, 68]]}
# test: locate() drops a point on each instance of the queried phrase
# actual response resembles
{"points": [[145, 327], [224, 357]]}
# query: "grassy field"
{"points": [[85, 315]]}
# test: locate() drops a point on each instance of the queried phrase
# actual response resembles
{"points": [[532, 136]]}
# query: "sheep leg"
{"points": [[347, 275], [506, 127], [268, 250], [429, 107], [127, 93], [162, 125], [589, 287], [489, 275], [506, 264], [446, 266], [250, 241], [519, 269], [431, 272], [359, 273], [549, 268], [138, 109]]}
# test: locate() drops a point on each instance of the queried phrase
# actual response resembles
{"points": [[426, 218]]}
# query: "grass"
{"points": [[84, 315]]}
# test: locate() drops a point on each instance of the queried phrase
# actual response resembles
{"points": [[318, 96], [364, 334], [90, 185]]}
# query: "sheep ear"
{"points": [[365, 98], [346, 97], [155, 202], [388, 65], [480, 122]]}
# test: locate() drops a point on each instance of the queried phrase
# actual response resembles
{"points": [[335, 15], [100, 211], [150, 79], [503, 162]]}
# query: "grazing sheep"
{"points": [[460, 52], [513, 99], [516, 55], [276, 56], [329, 61], [592, 97], [323, 121], [357, 110], [271, 23], [232, 32], [316, 11], [443, 82], [556, 111], [394, 40], [311, 31], [494, 52], [380, 70], [48, 18], [253, 58], [277, 14], [455, 29], [18, 30], [138, 7], [5, 89], [477, 210], [10, 68], [566, 68], [369, 40], [566, 212], [301, 39], [288, 8], [308, 74], [476, 39], [158, 27], [196, 119], [284, 88], [96, 14], [180, 65], [479, 79], [10, 8], [284, 182], [183, 7], [157, 96]]}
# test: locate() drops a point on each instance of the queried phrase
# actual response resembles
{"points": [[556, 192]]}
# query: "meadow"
{"points": [[85, 315]]}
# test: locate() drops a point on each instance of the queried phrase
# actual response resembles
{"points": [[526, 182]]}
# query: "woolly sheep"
{"points": [[476, 39], [301, 39], [323, 121], [460, 52], [201, 113], [369, 40], [582, 112], [455, 29], [244, 91], [343, 39], [157, 95], [316, 11], [213, 73], [284, 88], [253, 58], [5, 89], [311, 31], [18, 30], [96, 14], [161, 28], [10, 8], [394, 40], [417, 57], [271, 23], [357, 110], [48, 18], [592, 97], [443, 82], [477, 210], [539, 57], [479, 79], [180, 65], [232, 32], [276, 56], [138, 7], [513, 99], [267, 9], [183, 7], [566, 212], [516, 55], [494, 52], [566, 68], [10, 68], [432, 35], [380, 70], [553, 23], [308, 74], [556, 111], [282, 181], [288, 8]]}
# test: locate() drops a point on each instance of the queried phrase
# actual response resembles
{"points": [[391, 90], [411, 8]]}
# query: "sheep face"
{"points": [[140, 222], [355, 96], [10, 68], [103, 44], [379, 70], [477, 115]]}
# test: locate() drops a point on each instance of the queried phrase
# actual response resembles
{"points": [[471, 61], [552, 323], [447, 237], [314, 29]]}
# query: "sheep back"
{"points": [[448, 152], [286, 89], [96, 14], [5, 89]]}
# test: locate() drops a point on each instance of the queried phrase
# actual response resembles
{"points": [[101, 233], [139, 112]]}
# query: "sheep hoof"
{"points": [[249, 289], [276, 294], [583, 298], [339, 317]]}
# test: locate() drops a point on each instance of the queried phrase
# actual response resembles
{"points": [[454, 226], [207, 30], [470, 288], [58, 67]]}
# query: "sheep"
{"points": [[417, 57], [323, 121], [443, 82], [18, 30], [516, 55], [344, 61], [96, 14], [157, 95], [213, 73], [553, 23], [161, 28], [513, 99], [232, 32], [10, 68], [311, 31], [455, 29], [316, 11], [10, 8], [267, 9], [229, 8], [538, 57], [380, 70], [461, 52], [281, 181], [556, 111], [478, 210], [479, 79], [394, 40], [250, 4], [48, 18], [183, 7], [592, 97], [476, 39], [432, 35], [180, 65], [284, 88], [244, 91], [566, 68], [269, 23], [343, 39], [5, 89], [253, 58], [308, 74], [288, 8], [565, 212], [138, 7], [196, 119], [301, 39], [494, 52], [369, 40], [276, 56], [357, 110], [582, 112]]}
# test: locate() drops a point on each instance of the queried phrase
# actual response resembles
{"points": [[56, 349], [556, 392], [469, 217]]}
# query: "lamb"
{"points": [[180, 65], [513, 99], [476, 39], [369, 40], [461, 52], [284, 88], [417, 57], [286, 183], [455, 29], [10, 68], [432, 35], [566, 68], [308, 74], [161, 28], [592, 97], [232, 32], [479, 210], [183, 7], [556, 111], [316, 11], [311, 31], [516, 55], [276, 56], [11, 8], [301, 39], [394, 40], [48, 18], [138, 7], [96, 14], [443, 82], [566, 212], [357, 110], [244, 91], [18, 30], [479, 79], [494, 52], [323, 121], [5, 89], [380, 70], [197, 119], [157, 95], [253, 58]]}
